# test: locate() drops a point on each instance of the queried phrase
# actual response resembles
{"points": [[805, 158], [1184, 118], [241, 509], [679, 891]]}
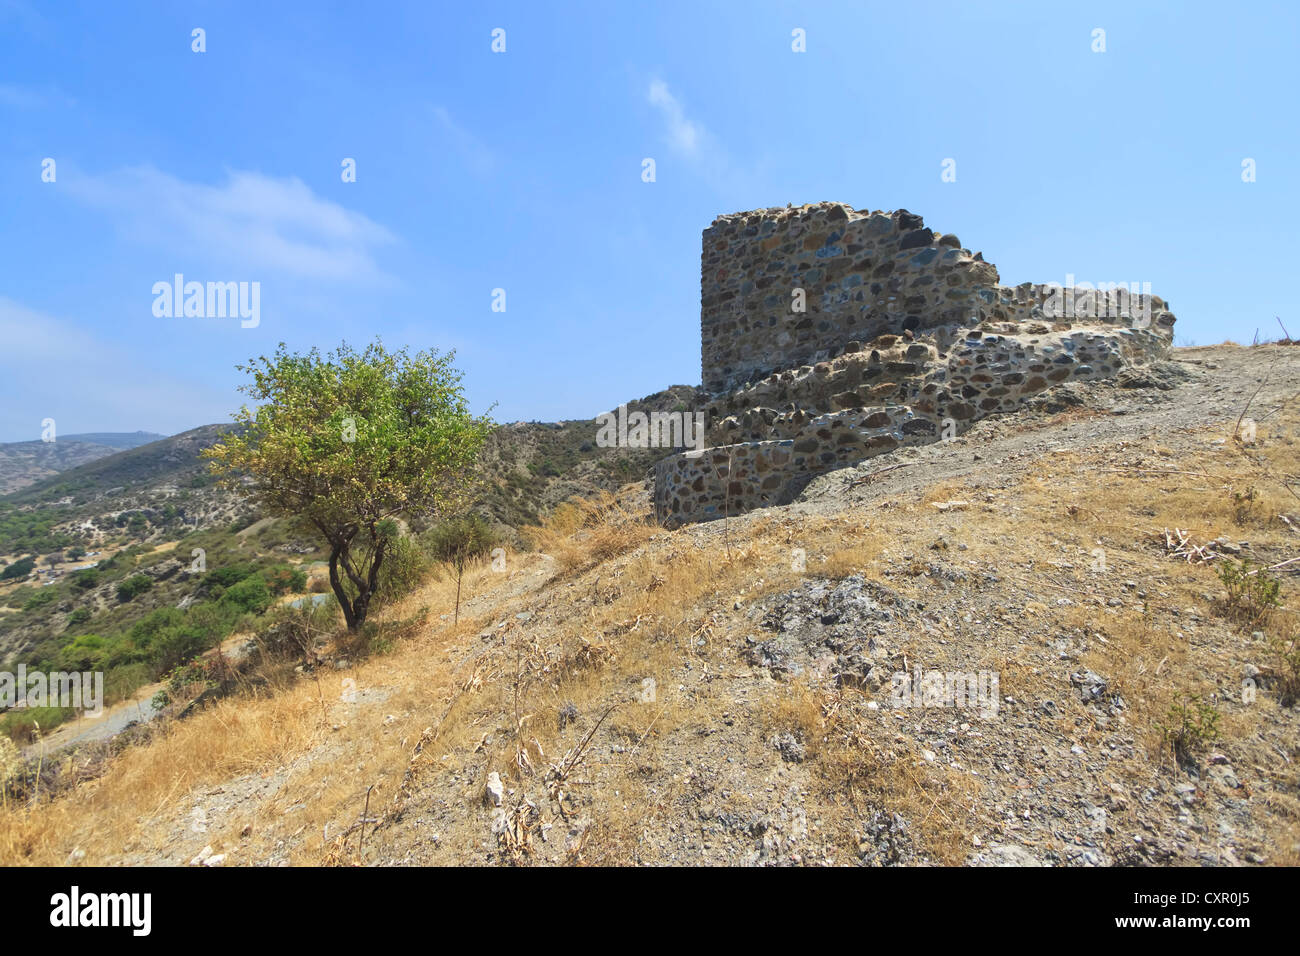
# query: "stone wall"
{"points": [[861, 274], [907, 339]]}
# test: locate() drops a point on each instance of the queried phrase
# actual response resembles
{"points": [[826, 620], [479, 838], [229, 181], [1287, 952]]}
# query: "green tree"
{"points": [[19, 569], [85, 579], [349, 442], [458, 541]]}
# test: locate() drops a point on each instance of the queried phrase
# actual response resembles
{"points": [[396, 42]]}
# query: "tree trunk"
{"points": [[460, 569], [354, 611], [339, 594]]}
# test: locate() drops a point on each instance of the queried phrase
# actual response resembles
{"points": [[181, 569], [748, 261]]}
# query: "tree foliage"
{"points": [[351, 441]]}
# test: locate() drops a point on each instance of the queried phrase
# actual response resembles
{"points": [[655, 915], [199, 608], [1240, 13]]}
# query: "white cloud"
{"points": [[684, 134], [256, 222]]}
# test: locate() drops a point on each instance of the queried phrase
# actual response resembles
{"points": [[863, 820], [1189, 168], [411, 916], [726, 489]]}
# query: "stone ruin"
{"points": [[829, 335]]}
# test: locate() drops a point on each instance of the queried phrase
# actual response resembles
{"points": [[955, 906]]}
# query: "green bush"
{"points": [[459, 541], [88, 652], [229, 574], [285, 579], [19, 596], [79, 616], [18, 570], [406, 566], [1189, 725], [251, 595], [85, 579], [133, 587], [21, 724], [44, 596]]}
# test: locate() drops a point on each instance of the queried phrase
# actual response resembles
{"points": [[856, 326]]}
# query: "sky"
{"points": [[521, 169]]}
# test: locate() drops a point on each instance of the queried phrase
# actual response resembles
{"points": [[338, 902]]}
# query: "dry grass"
{"points": [[582, 533], [857, 767], [611, 607]]}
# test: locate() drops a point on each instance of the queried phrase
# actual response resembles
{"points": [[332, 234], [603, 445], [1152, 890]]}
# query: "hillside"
{"points": [[158, 501], [27, 462], [725, 693]]}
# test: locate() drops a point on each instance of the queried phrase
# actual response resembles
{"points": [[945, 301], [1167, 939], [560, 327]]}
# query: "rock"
{"points": [[1223, 774], [1091, 686], [791, 750], [1226, 546], [202, 857], [495, 791], [1005, 854], [886, 841], [567, 715]]}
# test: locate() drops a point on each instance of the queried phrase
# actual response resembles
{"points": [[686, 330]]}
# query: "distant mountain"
{"points": [[527, 468], [135, 470], [24, 463], [118, 440]]}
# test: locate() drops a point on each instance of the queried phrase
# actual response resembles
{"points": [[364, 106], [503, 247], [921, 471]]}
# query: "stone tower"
{"points": [[829, 335]]}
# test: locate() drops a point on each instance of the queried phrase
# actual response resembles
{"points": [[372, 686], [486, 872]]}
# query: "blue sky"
{"points": [[522, 171]]}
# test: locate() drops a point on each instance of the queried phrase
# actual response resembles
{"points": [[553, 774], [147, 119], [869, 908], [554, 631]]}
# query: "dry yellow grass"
{"points": [[619, 607]]}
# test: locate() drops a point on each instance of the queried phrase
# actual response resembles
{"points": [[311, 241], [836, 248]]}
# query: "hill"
{"points": [[1115, 686], [27, 462], [157, 501]]}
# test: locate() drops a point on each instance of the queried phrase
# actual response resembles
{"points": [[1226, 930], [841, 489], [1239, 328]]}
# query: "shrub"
{"points": [[229, 574], [85, 579], [79, 616], [459, 541], [251, 595], [284, 578], [20, 596], [41, 598], [1189, 725], [1252, 594], [85, 653], [133, 587], [18, 570], [26, 724], [177, 645], [293, 631], [406, 566]]}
